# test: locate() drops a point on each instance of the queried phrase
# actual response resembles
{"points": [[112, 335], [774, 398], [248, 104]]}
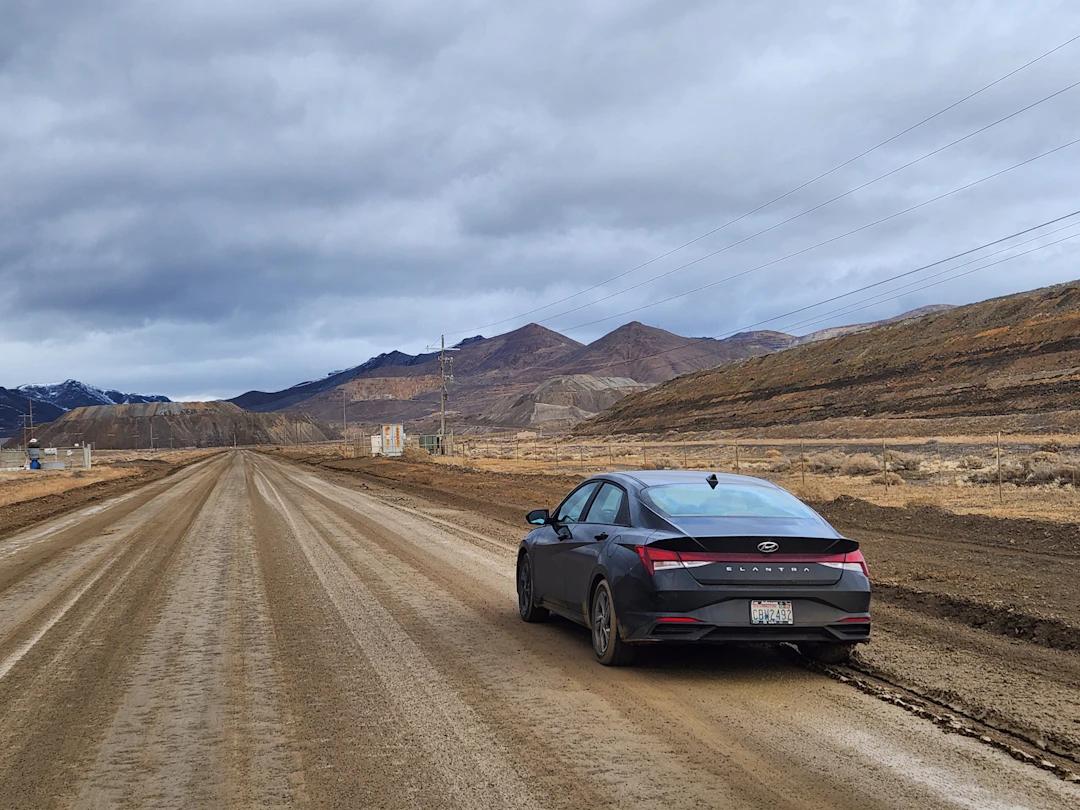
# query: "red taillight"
{"points": [[855, 620], [657, 559], [857, 558], [678, 620]]}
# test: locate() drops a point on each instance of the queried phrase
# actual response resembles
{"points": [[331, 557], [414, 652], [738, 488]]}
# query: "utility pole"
{"points": [[151, 434], [446, 374], [28, 423]]}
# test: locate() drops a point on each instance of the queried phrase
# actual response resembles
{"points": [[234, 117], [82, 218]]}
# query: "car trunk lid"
{"points": [[760, 559]]}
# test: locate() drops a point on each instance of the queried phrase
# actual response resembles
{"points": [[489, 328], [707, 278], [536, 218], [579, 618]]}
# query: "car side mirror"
{"points": [[538, 517]]}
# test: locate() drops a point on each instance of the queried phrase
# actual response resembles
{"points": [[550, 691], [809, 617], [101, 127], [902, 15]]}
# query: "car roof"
{"points": [[652, 478]]}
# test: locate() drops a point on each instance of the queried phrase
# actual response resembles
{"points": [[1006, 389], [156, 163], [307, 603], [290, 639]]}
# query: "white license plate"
{"points": [[771, 611]]}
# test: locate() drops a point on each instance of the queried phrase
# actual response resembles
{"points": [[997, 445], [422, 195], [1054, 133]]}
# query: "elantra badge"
{"points": [[768, 547]]}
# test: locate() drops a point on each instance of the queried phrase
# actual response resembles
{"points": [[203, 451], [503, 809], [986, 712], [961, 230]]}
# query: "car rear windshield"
{"points": [[701, 500]]}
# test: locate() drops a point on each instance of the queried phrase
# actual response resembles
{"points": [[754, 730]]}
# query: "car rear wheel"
{"points": [[828, 652], [527, 607], [609, 647]]}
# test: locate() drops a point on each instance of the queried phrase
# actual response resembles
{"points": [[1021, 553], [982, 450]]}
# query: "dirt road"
{"points": [[250, 633]]}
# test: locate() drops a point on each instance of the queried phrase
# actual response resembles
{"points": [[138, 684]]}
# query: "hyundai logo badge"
{"points": [[768, 547]]}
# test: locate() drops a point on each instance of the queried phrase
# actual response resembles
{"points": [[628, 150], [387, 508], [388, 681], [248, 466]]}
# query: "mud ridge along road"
{"points": [[251, 632]]}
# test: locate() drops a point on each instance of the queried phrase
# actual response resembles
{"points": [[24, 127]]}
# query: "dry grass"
{"points": [[926, 472], [1055, 504], [108, 465], [936, 474], [24, 486]]}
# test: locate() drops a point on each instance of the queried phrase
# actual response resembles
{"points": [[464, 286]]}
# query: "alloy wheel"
{"points": [[601, 621], [524, 586]]}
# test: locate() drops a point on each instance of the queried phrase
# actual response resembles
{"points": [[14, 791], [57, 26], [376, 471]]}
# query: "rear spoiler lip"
{"points": [[681, 541]]}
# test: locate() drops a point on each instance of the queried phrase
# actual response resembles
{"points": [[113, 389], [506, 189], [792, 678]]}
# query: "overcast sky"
{"points": [[199, 198]]}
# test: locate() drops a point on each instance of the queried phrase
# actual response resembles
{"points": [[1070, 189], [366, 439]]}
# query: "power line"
{"points": [[808, 210], [788, 193], [917, 286], [839, 296], [830, 240]]}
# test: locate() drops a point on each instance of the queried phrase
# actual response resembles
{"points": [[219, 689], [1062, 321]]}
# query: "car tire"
{"points": [[826, 652], [527, 607], [610, 649]]}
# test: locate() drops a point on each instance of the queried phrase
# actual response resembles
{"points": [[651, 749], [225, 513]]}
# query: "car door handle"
{"points": [[602, 536]]}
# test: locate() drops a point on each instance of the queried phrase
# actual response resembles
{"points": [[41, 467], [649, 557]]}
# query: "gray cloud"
{"points": [[202, 198]]}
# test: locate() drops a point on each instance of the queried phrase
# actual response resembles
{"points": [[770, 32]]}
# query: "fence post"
{"points": [[885, 466], [556, 455], [802, 462], [644, 460], [685, 463], [581, 456], [737, 468], [998, 454], [611, 458]]}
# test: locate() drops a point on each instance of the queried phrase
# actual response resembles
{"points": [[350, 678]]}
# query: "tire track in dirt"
{"points": [[778, 711], [57, 699], [973, 656], [200, 722], [451, 740], [356, 747], [30, 605], [28, 550], [482, 651]]}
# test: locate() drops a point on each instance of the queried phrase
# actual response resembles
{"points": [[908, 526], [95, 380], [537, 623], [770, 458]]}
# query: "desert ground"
{"points": [[278, 629]]}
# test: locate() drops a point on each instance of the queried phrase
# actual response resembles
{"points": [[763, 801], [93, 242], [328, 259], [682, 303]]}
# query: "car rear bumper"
{"points": [[659, 632], [835, 613]]}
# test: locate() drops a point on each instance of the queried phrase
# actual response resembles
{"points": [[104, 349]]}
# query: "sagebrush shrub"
{"points": [[827, 462], [908, 462], [860, 464]]}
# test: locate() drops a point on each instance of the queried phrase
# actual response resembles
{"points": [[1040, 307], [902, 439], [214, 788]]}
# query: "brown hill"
{"points": [[650, 355], [176, 424], [837, 331], [1004, 359], [523, 353]]}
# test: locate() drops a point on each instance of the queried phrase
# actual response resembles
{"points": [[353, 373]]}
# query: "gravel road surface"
{"points": [[248, 632]]}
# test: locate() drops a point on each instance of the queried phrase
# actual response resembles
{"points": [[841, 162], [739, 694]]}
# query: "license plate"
{"points": [[771, 611]]}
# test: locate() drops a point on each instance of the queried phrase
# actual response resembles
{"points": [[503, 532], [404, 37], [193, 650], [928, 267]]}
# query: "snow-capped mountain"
{"points": [[14, 404], [74, 394]]}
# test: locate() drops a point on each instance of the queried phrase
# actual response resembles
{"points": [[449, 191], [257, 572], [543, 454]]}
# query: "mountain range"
{"points": [[529, 376]]}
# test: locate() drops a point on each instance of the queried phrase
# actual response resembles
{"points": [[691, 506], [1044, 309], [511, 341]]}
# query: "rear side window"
{"points": [[570, 511], [608, 506], [700, 500]]}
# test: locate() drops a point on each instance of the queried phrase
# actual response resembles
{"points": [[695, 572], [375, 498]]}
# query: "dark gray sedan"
{"points": [[686, 556]]}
